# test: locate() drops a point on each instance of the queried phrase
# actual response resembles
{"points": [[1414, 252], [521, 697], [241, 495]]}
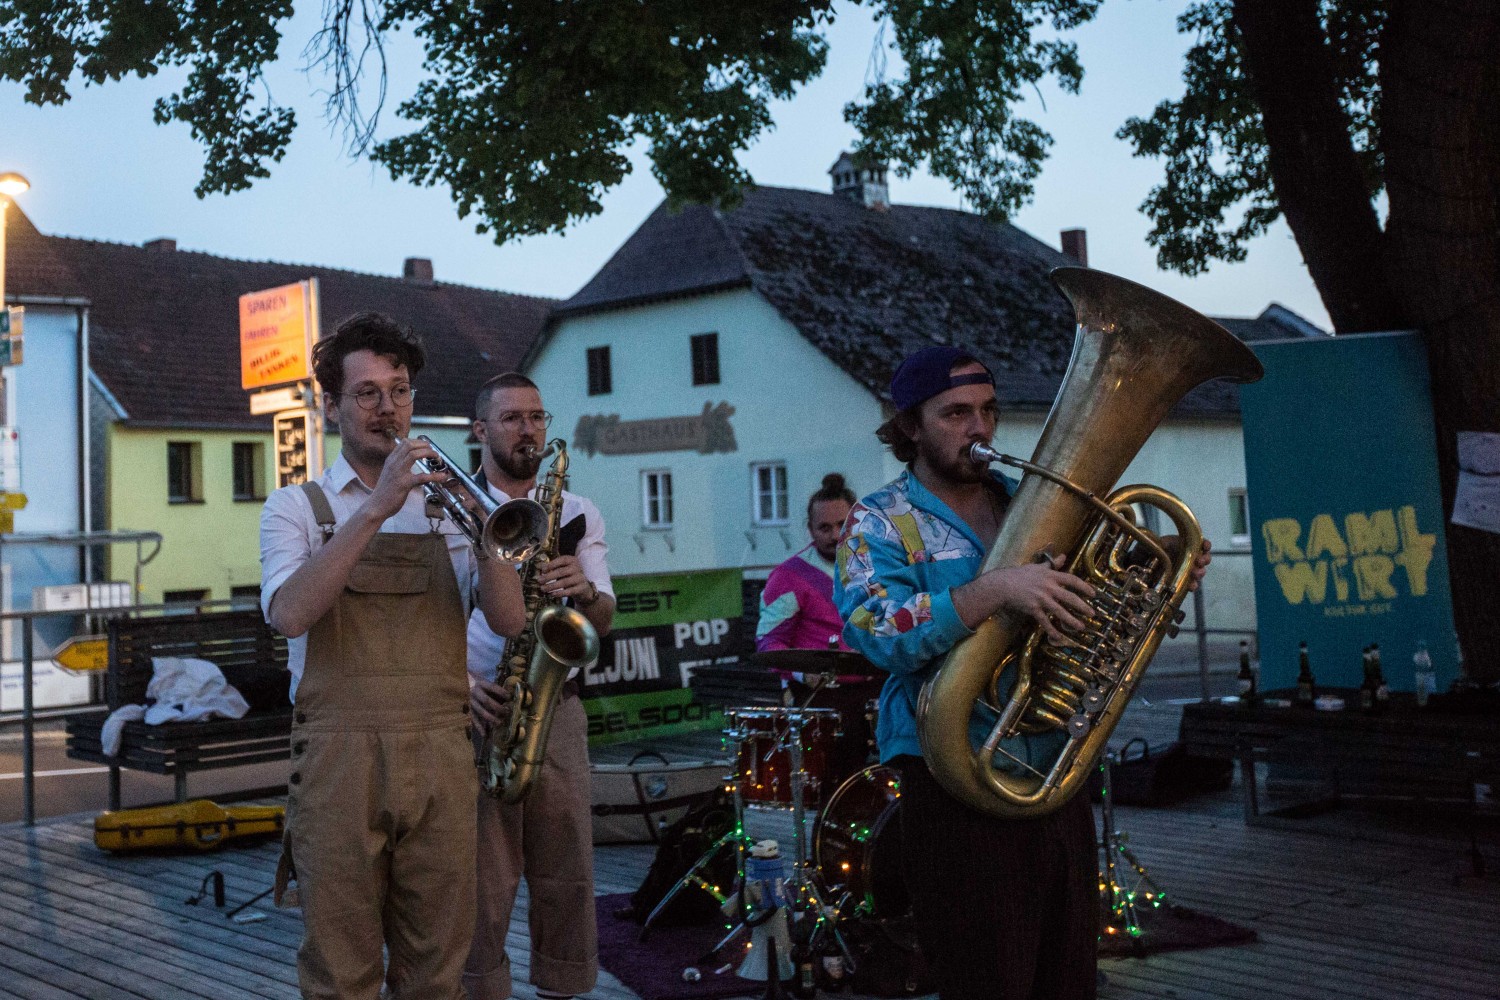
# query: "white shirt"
{"points": [[289, 535], [486, 649]]}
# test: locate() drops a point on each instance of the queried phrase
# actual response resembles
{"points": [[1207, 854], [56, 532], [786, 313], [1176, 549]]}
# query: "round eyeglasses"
{"points": [[368, 398]]}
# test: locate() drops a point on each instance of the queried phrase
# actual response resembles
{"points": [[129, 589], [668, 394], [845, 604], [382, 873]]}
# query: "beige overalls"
{"points": [[380, 805]]}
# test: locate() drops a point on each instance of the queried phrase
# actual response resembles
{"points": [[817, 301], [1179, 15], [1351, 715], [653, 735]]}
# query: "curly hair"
{"points": [[366, 331]]}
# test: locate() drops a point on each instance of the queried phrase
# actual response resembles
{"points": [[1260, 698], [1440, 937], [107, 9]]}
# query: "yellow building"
{"points": [[173, 446]]}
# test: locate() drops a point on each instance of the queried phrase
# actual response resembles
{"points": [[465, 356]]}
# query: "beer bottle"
{"points": [[1425, 676], [1381, 690], [1247, 676], [804, 981], [1307, 691], [1367, 686]]}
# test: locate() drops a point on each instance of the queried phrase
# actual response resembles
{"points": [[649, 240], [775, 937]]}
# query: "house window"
{"points": [[184, 472], [600, 380], [768, 493], [656, 498], [183, 601], [1239, 518], [249, 470], [705, 359]]}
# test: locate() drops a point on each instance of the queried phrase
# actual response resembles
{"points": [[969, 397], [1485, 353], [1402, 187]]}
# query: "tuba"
{"points": [[554, 642], [1136, 354]]}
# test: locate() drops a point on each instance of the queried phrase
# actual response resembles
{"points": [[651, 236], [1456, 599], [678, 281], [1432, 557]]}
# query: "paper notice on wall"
{"points": [[1477, 504]]}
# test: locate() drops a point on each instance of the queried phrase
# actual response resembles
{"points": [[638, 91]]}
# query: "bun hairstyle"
{"points": [[834, 488]]}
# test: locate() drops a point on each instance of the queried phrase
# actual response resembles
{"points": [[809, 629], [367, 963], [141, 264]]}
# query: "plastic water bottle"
{"points": [[1426, 677]]}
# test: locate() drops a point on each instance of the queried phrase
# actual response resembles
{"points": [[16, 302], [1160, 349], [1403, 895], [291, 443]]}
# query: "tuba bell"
{"points": [[1137, 353]]}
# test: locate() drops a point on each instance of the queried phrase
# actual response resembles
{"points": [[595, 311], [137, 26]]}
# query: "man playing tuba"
{"points": [[1005, 908], [548, 835]]}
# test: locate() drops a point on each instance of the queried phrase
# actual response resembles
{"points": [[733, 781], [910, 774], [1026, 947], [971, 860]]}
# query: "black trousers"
{"points": [[1006, 909]]}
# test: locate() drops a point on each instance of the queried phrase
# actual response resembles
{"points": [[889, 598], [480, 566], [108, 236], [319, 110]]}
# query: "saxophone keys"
{"points": [[1079, 726]]}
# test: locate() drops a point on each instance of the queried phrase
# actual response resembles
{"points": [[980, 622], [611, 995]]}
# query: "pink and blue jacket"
{"points": [[796, 608]]}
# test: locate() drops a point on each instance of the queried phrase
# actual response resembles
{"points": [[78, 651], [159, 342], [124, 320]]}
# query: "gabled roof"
{"points": [[164, 324], [867, 287]]}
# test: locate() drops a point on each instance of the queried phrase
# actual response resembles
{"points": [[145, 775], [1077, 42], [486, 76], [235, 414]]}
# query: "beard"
{"points": [[954, 466], [516, 464]]}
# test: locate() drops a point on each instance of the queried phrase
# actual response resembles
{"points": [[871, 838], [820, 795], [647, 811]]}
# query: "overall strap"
{"points": [[321, 508]]}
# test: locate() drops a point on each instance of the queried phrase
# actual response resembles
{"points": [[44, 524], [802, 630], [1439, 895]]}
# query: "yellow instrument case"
{"points": [[199, 824]]}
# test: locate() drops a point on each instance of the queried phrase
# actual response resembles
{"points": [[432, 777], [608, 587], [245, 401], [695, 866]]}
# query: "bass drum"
{"points": [[857, 845]]}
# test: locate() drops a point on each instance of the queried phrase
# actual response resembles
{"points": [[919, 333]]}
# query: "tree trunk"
{"points": [[1440, 79], [1319, 184]]}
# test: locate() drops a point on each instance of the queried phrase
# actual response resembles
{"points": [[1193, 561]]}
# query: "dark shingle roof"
{"points": [[869, 287], [164, 325]]}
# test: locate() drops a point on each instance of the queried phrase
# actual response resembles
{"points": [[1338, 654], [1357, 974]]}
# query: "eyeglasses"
{"points": [[368, 398], [513, 420]]}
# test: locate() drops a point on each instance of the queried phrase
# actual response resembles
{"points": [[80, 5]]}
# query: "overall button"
{"points": [[466, 708], [296, 778], [299, 748], [301, 716]]}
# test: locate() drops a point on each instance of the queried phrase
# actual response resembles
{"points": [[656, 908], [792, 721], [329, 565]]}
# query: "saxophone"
{"points": [[1137, 353], [554, 642]]}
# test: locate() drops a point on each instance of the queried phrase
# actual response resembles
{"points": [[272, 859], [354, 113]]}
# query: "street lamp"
{"points": [[11, 184]]}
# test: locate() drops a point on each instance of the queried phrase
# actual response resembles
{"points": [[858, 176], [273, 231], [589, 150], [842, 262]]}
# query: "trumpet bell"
{"points": [[515, 530]]}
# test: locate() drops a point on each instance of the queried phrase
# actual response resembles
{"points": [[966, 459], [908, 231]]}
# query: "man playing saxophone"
{"points": [[373, 590], [547, 836], [1005, 908]]}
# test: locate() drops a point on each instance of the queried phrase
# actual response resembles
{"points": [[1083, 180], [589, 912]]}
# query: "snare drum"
{"points": [[857, 845], [765, 738]]}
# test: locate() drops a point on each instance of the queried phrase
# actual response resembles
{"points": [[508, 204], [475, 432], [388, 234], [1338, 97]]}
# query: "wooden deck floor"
{"points": [[1340, 915]]}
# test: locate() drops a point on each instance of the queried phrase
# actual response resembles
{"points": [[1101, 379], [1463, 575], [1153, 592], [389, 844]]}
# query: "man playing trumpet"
{"points": [[373, 590]]}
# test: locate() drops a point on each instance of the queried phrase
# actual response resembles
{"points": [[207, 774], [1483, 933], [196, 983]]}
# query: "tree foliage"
{"points": [[528, 109], [1217, 192]]}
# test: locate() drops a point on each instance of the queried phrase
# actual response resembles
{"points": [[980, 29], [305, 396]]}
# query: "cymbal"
{"points": [[816, 661]]}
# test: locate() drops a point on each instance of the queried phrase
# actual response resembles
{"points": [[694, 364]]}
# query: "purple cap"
{"points": [[925, 374]]}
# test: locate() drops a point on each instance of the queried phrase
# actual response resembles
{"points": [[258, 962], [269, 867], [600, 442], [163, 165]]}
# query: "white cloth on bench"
{"points": [[182, 689]]}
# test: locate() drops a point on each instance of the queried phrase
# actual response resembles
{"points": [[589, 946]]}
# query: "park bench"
{"points": [[253, 659]]}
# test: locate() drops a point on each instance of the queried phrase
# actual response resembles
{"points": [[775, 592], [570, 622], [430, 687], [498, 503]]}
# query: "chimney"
{"points": [[417, 270], [161, 244], [861, 182], [1075, 243]]}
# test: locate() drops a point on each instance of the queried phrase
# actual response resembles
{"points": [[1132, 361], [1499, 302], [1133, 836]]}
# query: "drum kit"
{"points": [[844, 845]]}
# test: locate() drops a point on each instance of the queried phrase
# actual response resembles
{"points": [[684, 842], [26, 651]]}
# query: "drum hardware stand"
{"points": [[736, 838], [1122, 904]]}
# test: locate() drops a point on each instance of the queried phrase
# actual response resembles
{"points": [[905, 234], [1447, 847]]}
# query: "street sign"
{"points": [[278, 327], [12, 501], [83, 654], [7, 522], [276, 400], [12, 334]]}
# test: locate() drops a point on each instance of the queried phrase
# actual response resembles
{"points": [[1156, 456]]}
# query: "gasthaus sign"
{"points": [[277, 330], [666, 624]]}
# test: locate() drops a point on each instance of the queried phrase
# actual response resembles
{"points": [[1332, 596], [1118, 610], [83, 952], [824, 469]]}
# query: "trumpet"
{"points": [[513, 531]]}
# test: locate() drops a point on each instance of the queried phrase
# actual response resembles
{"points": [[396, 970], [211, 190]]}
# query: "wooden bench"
{"points": [[253, 659]]}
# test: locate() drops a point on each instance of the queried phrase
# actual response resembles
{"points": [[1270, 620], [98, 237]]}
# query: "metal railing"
{"points": [[95, 618]]}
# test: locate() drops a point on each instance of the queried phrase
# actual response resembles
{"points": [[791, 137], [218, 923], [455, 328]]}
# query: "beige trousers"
{"points": [[548, 839]]}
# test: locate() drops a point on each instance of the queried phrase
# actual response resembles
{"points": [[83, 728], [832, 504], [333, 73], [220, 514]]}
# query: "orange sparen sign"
{"points": [[275, 337]]}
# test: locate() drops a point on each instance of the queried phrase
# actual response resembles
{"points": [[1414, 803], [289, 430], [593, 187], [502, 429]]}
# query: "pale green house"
{"points": [[724, 360], [173, 447]]}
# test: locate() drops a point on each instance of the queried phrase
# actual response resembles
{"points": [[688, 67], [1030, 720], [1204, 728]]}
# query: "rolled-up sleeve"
{"points": [[888, 617], [593, 550], [285, 541]]}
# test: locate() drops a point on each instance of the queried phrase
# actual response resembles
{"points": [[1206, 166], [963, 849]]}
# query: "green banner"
{"points": [[656, 713], [1346, 517], [668, 598], [666, 625]]}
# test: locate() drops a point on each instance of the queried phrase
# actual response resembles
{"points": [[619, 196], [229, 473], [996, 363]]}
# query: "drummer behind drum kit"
{"points": [[847, 872]]}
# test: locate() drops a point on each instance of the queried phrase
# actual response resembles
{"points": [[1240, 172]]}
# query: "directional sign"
{"points": [[12, 501], [83, 654]]}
